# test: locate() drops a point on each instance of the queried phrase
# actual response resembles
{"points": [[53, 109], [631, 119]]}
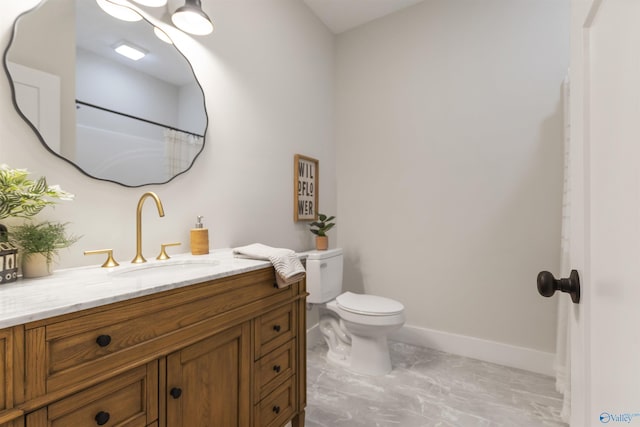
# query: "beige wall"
{"points": [[449, 148], [447, 125], [267, 72]]}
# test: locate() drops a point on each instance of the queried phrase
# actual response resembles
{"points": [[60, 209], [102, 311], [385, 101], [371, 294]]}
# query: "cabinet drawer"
{"points": [[83, 346], [275, 409], [274, 329], [127, 400], [274, 368]]}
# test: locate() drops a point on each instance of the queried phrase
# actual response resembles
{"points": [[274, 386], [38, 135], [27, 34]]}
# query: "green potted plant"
{"points": [[320, 228], [39, 243], [21, 197]]}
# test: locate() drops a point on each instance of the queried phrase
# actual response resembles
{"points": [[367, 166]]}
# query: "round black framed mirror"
{"points": [[132, 122]]}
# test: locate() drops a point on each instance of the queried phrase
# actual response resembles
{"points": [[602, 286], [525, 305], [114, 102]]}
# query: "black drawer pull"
{"points": [[275, 285], [102, 418], [276, 409], [276, 328], [276, 368], [176, 392], [103, 341]]}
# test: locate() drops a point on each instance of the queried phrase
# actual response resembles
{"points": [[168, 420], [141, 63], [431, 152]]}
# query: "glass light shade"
{"points": [[162, 35], [119, 11], [151, 3], [191, 19]]}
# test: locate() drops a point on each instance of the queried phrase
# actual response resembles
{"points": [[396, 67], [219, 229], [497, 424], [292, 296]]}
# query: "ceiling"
{"points": [[343, 15]]}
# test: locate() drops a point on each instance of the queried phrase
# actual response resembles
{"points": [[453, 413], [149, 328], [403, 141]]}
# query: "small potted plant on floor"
{"points": [[320, 228], [39, 243]]}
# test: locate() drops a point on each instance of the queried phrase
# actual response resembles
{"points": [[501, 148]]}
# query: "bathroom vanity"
{"points": [[211, 346]]}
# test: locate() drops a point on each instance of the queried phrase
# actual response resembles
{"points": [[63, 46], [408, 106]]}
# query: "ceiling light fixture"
{"points": [[119, 11], [152, 3], [162, 35], [191, 19], [129, 50]]}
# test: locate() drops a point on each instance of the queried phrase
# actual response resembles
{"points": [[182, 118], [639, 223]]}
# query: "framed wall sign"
{"points": [[305, 188]]}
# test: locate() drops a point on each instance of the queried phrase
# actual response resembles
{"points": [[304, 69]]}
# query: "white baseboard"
{"points": [[477, 348], [462, 345]]}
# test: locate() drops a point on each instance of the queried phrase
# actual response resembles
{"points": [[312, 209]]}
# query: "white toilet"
{"points": [[355, 326]]}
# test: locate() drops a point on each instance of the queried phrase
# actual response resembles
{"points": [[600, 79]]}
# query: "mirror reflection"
{"points": [[134, 122]]}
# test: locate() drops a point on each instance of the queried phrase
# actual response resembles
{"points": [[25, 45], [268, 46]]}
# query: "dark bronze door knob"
{"points": [[548, 285]]}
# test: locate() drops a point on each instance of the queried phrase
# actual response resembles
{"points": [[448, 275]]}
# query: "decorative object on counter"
{"points": [[288, 267], [305, 188], [21, 197], [320, 228], [199, 238], [8, 263], [39, 243]]}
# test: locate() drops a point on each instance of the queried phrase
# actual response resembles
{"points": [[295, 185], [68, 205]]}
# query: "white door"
{"points": [[605, 247], [38, 96]]}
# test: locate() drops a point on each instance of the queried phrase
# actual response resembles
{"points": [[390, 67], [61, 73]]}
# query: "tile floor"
{"points": [[429, 388]]}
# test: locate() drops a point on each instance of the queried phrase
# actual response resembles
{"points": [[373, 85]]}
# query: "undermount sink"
{"points": [[182, 266]]}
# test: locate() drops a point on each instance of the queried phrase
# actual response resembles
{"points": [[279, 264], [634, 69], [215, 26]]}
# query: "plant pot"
{"points": [[36, 265], [322, 243]]}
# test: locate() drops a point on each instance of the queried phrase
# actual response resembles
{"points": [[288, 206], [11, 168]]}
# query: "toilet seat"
{"points": [[370, 305]]}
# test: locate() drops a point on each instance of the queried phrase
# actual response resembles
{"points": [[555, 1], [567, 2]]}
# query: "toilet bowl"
{"points": [[355, 326]]}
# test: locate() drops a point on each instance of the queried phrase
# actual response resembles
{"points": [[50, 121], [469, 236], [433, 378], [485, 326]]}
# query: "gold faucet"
{"points": [[139, 258]]}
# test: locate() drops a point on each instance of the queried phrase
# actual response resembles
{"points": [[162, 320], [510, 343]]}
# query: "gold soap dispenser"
{"points": [[199, 238]]}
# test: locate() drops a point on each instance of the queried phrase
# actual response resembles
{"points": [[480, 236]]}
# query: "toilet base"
{"points": [[359, 348], [370, 355]]}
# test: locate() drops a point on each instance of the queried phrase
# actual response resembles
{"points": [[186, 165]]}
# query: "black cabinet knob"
{"points": [[276, 368], [276, 409], [548, 285], [276, 328], [175, 392], [103, 340], [275, 285], [102, 418]]}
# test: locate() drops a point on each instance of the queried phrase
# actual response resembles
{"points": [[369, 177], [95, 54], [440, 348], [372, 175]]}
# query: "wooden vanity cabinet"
{"points": [[228, 352], [11, 376], [208, 382], [126, 400]]}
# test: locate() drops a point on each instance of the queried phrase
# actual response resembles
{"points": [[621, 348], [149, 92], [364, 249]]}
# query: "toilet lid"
{"points": [[368, 304]]}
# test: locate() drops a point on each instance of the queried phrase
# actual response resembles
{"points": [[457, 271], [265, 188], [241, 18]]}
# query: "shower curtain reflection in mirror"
{"points": [[129, 150], [181, 149]]}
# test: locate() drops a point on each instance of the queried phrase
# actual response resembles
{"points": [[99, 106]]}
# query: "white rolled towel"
{"points": [[288, 267]]}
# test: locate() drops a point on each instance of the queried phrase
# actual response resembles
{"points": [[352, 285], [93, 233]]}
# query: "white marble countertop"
{"points": [[76, 289]]}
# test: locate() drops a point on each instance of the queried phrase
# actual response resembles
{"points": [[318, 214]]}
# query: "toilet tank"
{"points": [[324, 275]]}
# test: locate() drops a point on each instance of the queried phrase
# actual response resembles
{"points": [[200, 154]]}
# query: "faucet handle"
{"points": [[110, 262], [163, 253]]}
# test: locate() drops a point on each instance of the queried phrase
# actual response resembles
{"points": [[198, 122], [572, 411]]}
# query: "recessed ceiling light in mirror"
{"points": [[130, 51]]}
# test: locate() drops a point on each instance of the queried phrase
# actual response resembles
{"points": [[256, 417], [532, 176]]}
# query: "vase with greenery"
{"points": [[320, 228], [22, 197], [39, 243]]}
